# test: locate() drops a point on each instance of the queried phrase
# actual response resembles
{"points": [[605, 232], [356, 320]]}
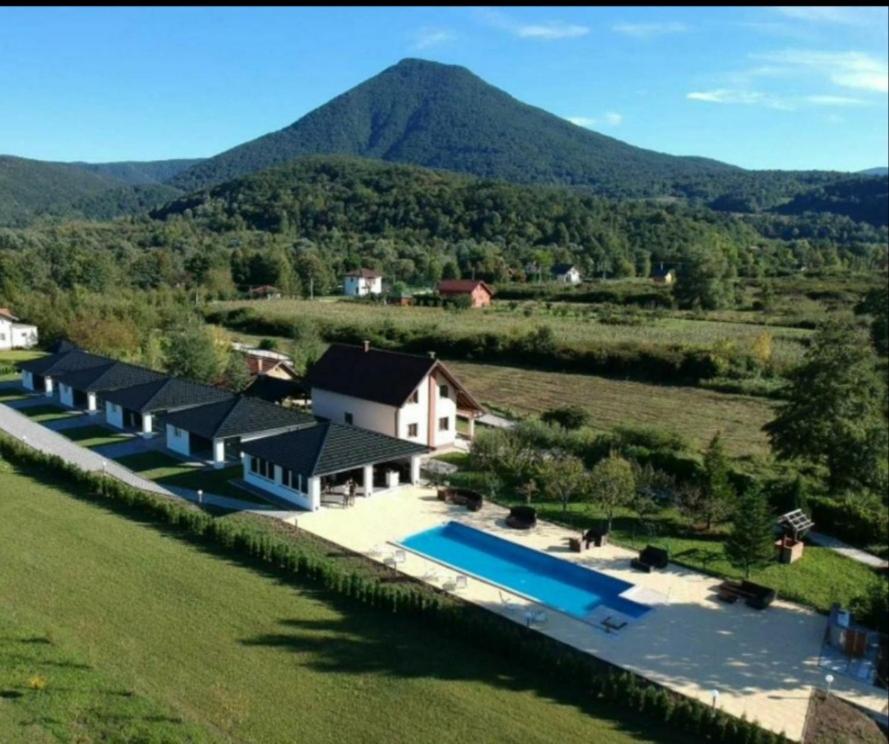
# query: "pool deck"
{"points": [[763, 663]]}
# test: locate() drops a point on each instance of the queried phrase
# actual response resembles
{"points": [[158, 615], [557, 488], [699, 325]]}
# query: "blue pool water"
{"points": [[560, 584]]}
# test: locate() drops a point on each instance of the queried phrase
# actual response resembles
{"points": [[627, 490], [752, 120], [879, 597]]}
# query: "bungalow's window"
{"points": [[443, 391], [415, 397], [412, 430], [348, 417], [444, 424]]}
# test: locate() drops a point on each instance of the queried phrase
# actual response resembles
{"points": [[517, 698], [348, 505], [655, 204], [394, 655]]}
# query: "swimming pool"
{"points": [[561, 584]]}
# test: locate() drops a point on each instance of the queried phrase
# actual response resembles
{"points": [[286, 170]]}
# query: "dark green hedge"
{"points": [[447, 615]]}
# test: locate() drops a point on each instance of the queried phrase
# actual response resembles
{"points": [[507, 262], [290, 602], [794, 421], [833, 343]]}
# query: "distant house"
{"points": [[264, 292], [661, 275], [15, 335], [407, 396], [478, 291], [362, 282], [565, 273], [267, 362]]}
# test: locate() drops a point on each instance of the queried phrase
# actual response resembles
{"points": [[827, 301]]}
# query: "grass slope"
{"points": [[250, 658]]}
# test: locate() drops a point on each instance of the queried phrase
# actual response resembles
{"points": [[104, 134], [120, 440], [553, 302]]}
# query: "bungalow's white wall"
{"points": [[365, 413], [27, 380], [66, 395], [178, 443], [309, 499], [114, 414]]}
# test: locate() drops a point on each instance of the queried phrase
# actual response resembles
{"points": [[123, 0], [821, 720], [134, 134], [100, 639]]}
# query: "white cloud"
{"points": [[782, 103], [548, 30], [846, 69], [828, 14], [430, 37], [825, 100], [647, 30], [608, 119]]}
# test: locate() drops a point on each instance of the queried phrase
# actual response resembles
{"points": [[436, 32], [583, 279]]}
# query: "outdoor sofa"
{"points": [[755, 595], [522, 517], [472, 500], [651, 558]]}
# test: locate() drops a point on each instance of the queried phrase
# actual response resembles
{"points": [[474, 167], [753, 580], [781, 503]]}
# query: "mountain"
{"points": [[34, 188], [443, 116], [864, 198], [136, 173], [875, 172]]}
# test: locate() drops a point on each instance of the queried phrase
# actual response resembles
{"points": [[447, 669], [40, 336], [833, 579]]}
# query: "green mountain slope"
{"points": [[443, 116], [138, 173]]}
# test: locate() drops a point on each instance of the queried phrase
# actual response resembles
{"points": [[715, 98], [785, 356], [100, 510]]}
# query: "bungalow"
{"points": [[479, 292], [15, 335], [565, 273], [38, 374], [84, 388], [407, 396], [303, 464], [144, 407], [362, 282], [661, 275], [215, 431]]}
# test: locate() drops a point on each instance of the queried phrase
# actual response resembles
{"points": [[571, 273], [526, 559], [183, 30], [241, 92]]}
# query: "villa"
{"points": [[565, 273], [15, 335], [362, 282], [479, 292], [415, 398]]}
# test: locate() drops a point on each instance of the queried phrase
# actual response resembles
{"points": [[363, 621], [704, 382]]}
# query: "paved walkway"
{"points": [[45, 440], [498, 422], [832, 543]]}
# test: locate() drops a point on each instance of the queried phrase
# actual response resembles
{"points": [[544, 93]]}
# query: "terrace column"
{"points": [[47, 386], [368, 482], [314, 493], [91, 406], [146, 426], [218, 453], [415, 470], [471, 431]]}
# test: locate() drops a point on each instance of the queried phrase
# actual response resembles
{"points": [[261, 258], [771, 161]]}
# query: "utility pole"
{"points": [[311, 287]]}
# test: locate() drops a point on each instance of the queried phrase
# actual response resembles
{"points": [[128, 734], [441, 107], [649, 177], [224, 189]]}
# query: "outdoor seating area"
{"points": [[522, 517], [595, 537], [754, 595], [651, 558], [472, 500]]}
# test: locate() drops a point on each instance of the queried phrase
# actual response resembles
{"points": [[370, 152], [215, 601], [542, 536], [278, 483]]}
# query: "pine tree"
{"points": [[751, 542], [716, 488]]}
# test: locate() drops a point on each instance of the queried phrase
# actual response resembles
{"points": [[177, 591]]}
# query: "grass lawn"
{"points": [[694, 413], [93, 435], [170, 471], [248, 656], [20, 355], [47, 412], [10, 395]]}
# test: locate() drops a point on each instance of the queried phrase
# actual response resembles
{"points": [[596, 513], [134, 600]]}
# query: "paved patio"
{"points": [[763, 663]]}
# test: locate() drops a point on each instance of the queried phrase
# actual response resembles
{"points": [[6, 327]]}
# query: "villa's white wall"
{"points": [[415, 413], [66, 395], [5, 334], [570, 277], [178, 443], [356, 286], [27, 380], [310, 500], [114, 415], [365, 413], [443, 407], [24, 336]]}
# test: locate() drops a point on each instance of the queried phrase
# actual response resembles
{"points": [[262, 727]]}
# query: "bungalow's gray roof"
{"points": [[65, 361], [237, 416], [327, 448], [166, 394], [110, 376]]}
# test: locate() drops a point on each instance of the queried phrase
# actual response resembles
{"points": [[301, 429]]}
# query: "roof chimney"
{"points": [[367, 345], [431, 354]]}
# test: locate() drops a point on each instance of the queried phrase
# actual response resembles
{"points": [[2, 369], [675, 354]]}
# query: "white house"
{"points": [[415, 398], [566, 273], [15, 335], [362, 283]]}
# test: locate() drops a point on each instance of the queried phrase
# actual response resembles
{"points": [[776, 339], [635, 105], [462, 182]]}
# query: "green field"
{"points": [[694, 413], [574, 326], [8, 358], [93, 435], [242, 654], [48, 412]]}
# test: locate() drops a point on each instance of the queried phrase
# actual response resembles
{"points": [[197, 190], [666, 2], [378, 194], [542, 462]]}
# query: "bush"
{"points": [[568, 417], [858, 520]]}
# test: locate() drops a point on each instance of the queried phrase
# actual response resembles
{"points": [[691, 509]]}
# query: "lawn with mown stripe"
{"points": [[93, 435], [230, 647]]}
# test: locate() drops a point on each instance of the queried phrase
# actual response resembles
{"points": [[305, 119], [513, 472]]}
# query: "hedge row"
{"points": [[641, 296], [448, 616], [855, 520], [626, 360]]}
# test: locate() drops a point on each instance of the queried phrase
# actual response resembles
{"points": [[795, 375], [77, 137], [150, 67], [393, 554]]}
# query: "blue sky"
{"points": [[759, 87]]}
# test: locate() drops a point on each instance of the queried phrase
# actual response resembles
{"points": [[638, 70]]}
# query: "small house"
{"points": [[86, 388], [661, 275], [362, 282], [13, 334], [264, 292], [479, 292], [565, 273], [38, 375]]}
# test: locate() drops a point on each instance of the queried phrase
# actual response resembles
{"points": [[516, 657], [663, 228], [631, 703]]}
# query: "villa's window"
{"points": [[443, 391], [444, 424], [412, 430], [348, 418], [415, 397]]}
